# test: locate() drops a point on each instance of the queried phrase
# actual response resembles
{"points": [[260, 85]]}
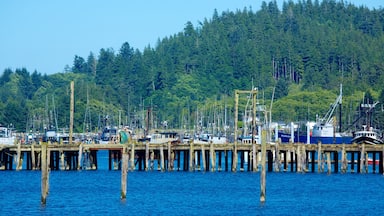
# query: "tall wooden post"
{"points": [[254, 157], [203, 157], [162, 158], [79, 167], [124, 170], [44, 174], [191, 157], [19, 160], [344, 160], [33, 156], [319, 157], [277, 156], [132, 157], [263, 168], [362, 158], [72, 108], [329, 168], [146, 155]]}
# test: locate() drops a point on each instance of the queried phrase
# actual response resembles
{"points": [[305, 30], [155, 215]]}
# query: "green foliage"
{"points": [[303, 52]]}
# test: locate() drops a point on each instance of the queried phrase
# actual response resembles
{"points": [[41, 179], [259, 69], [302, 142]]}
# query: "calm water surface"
{"points": [[191, 193]]}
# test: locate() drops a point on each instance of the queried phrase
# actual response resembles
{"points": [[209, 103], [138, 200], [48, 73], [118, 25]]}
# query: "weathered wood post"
{"points": [[124, 170], [203, 157], [132, 157], [298, 158], [277, 156], [71, 113], [329, 167], [44, 174], [344, 160], [304, 167], [62, 160], [254, 157], [152, 157], [191, 157], [162, 158], [212, 157], [362, 158], [33, 156], [79, 164], [319, 157], [170, 158], [146, 155], [19, 160], [263, 168]]}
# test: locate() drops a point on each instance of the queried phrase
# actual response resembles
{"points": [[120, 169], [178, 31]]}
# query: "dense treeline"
{"points": [[303, 51]]}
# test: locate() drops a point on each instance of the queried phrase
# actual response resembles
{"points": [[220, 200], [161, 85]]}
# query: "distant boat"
{"points": [[6, 136], [161, 138], [368, 136], [323, 130], [207, 138], [108, 135]]}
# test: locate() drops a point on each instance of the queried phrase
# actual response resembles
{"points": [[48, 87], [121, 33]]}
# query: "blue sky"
{"points": [[45, 35]]}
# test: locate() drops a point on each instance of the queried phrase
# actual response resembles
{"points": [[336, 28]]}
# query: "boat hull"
{"points": [[286, 138]]}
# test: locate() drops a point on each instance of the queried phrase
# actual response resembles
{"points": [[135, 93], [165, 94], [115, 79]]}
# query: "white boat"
{"points": [[209, 138], [6, 136], [163, 137], [368, 136]]}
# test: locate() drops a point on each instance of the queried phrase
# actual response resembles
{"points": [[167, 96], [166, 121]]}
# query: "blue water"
{"points": [[191, 193]]}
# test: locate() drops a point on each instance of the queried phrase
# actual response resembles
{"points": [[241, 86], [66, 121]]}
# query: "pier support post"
{"points": [[44, 174], [362, 158], [124, 170], [212, 157], [19, 159], [132, 157], [170, 157], [33, 158], [329, 168], [298, 158], [234, 158], [203, 157], [146, 155], [162, 158], [277, 157], [344, 160], [254, 157], [79, 162], [191, 157], [319, 157], [263, 170]]}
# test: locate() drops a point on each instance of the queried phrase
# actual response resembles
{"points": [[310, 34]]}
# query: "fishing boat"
{"points": [[161, 138], [323, 130], [108, 135], [368, 136], [207, 138], [6, 136]]}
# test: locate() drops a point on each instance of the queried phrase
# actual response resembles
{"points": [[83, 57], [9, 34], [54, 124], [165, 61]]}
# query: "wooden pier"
{"points": [[280, 157]]}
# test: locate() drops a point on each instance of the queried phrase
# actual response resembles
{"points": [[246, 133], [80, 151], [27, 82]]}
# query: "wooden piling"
{"points": [[79, 162], [277, 156], [33, 156], [44, 174], [146, 155], [161, 158], [124, 170], [263, 170], [203, 157], [191, 157], [234, 158], [362, 158], [298, 158], [132, 157], [212, 157], [254, 157], [19, 160], [170, 158], [344, 160], [329, 168], [319, 158]]}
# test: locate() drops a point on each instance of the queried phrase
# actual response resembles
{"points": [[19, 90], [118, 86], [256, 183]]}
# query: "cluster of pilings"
{"points": [[201, 157]]}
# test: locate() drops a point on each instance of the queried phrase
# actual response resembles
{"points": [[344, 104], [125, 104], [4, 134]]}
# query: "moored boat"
{"points": [[6, 136]]}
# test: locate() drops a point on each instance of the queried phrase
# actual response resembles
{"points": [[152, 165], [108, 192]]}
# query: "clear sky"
{"points": [[45, 35]]}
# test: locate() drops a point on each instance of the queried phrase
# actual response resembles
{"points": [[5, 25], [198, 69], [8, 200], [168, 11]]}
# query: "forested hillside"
{"points": [[304, 51]]}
